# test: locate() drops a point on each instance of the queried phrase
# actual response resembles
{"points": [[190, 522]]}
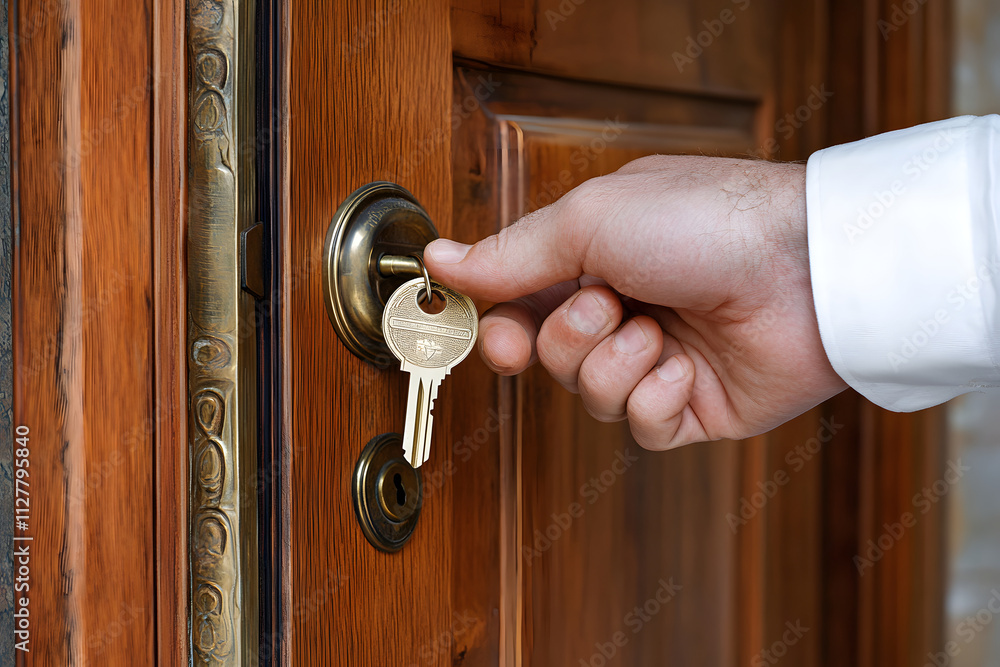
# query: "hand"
{"points": [[674, 293]]}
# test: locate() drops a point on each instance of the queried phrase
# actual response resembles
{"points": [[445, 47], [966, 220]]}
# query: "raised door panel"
{"points": [[608, 548]]}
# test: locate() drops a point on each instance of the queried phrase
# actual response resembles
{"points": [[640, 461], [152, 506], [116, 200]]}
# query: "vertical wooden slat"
{"points": [[170, 332], [569, 524], [793, 620], [751, 582], [840, 502], [83, 334]]}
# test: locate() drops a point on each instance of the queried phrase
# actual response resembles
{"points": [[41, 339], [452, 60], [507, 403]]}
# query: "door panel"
{"points": [[603, 527]]}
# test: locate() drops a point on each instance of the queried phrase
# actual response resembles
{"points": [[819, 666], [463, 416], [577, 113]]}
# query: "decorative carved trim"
{"points": [[222, 519]]}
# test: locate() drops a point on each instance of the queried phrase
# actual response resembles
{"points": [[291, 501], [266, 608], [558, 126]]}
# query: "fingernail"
{"points": [[631, 339], [447, 251], [671, 370], [586, 314]]}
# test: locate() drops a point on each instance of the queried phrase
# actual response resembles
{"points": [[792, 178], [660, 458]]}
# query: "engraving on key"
{"points": [[428, 346]]}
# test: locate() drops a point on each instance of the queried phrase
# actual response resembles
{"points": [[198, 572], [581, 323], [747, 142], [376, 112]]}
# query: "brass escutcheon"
{"points": [[379, 225], [387, 493]]}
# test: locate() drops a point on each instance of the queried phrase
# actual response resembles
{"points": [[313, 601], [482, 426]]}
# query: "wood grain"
{"points": [[83, 326], [484, 472], [170, 333], [368, 100], [643, 43]]}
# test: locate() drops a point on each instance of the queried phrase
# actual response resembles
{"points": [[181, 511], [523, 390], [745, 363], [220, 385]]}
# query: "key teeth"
{"points": [[408, 452]]}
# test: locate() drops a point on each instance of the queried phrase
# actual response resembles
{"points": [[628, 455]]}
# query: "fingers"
{"points": [[659, 411], [628, 371], [507, 338], [508, 331], [539, 250], [574, 329], [616, 365], [631, 371]]}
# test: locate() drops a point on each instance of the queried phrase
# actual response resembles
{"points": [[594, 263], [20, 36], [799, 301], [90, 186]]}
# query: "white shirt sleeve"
{"points": [[904, 253]]}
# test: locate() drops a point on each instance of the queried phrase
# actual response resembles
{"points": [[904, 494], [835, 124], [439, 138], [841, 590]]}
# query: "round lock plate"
{"points": [[387, 493], [377, 219]]}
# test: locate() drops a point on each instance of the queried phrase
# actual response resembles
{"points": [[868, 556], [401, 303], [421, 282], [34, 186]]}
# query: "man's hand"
{"points": [[674, 293]]}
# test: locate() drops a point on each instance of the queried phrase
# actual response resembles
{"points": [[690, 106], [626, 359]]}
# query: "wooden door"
{"points": [[547, 538], [140, 130]]}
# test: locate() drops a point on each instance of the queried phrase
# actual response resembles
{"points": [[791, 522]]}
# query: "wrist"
{"points": [[785, 225]]}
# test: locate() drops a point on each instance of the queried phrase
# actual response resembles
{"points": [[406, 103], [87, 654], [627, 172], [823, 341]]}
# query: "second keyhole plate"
{"points": [[387, 493]]}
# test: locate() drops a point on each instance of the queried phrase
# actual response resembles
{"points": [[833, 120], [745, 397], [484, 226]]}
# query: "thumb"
{"points": [[530, 255]]}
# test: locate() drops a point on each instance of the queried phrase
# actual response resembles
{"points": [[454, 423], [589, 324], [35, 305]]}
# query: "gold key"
{"points": [[428, 346]]}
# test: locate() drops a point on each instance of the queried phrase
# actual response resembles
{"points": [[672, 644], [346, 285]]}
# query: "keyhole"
{"points": [[400, 491]]}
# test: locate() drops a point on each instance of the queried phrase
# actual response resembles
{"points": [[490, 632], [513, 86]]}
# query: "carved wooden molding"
{"points": [[222, 498]]}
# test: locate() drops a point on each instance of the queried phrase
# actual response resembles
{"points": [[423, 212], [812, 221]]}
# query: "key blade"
{"points": [[412, 437], [430, 380], [433, 384], [422, 418]]}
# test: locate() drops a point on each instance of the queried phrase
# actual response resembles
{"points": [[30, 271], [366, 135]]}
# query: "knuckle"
{"points": [[599, 402], [555, 361], [568, 383], [649, 426], [554, 351], [641, 437], [511, 234], [562, 371], [642, 164], [638, 412], [602, 415], [581, 202], [654, 441], [506, 242]]}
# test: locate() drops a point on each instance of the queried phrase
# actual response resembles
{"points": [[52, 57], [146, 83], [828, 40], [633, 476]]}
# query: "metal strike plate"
{"points": [[387, 493], [377, 221]]}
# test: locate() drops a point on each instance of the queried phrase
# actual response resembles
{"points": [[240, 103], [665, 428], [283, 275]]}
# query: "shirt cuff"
{"points": [[904, 260]]}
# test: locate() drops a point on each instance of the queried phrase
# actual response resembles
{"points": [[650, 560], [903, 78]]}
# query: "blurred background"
{"points": [[974, 420]]}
